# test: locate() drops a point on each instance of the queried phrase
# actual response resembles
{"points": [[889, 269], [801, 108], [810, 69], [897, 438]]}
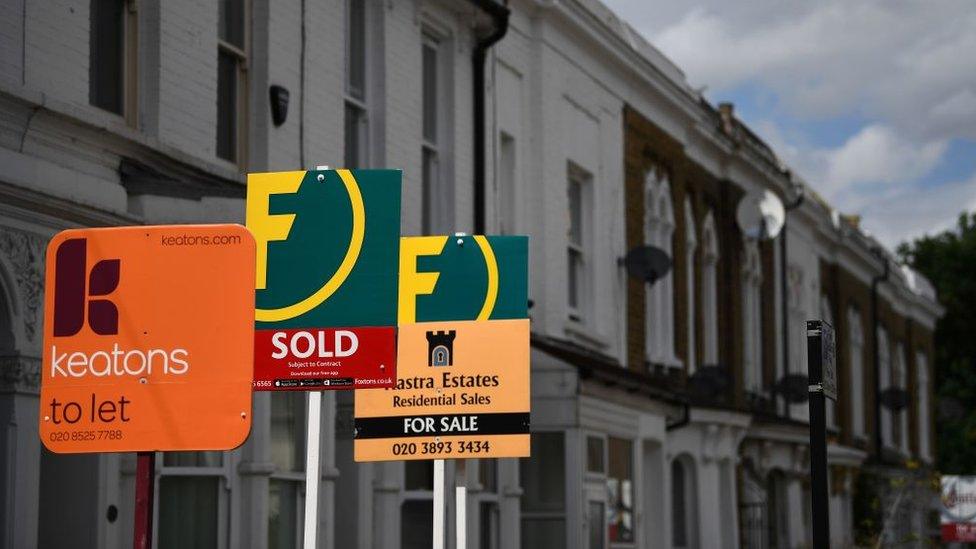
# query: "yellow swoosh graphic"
{"points": [[348, 262], [491, 294]]}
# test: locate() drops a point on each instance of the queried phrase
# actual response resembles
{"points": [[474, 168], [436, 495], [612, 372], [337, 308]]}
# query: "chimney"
{"points": [[727, 111], [851, 219]]}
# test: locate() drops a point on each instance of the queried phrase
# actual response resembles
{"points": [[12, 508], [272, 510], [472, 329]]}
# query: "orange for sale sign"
{"points": [[148, 339], [462, 391]]}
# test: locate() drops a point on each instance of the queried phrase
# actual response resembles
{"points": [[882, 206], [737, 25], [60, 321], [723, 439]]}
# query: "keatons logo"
{"points": [[70, 295], [440, 348], [77, 291]]}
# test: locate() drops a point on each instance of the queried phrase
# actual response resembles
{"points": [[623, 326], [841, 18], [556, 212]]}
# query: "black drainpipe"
{"points": [[783, 297], [875, 282], [499, 15]]}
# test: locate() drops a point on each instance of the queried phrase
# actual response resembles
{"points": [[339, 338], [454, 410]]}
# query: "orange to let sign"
{"points": [[148, 339], [462, 392]]}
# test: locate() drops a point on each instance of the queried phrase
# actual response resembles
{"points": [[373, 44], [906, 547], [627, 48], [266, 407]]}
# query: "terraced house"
{"points": [[659, 411]]}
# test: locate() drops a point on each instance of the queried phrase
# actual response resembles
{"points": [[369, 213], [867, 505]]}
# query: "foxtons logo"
{"points": [[440, 348], [70, 295]]}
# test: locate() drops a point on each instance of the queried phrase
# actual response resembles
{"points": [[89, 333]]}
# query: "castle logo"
{"points": [[70, 295], [440, 348]]}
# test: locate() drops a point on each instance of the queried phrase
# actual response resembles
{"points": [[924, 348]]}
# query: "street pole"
{"points": [[822, 385]]}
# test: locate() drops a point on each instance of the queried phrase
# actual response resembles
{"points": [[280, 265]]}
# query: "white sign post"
{"points": [[460, 500], [313, 452], [439, 502]]}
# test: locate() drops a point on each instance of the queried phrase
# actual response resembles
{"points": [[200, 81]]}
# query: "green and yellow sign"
{"points": [[327, 256], [462, 386], [463, 278]]}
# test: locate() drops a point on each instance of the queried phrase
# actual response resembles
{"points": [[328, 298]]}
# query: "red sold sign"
{"points": [[324, 358]]}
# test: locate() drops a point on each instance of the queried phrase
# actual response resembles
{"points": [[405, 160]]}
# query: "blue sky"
{"points": [[873, 102]]}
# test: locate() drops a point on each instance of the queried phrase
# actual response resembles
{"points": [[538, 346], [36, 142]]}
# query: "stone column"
{"points": [[510, 503], [20, 451]]}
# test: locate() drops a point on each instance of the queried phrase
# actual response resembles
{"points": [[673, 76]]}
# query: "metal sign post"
{"points": [[823, 385], [142, 537]]}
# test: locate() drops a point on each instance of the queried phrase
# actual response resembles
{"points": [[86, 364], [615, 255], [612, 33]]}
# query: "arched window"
{"points": [[659, 231], [684, 503], [901, 381], [856, 335], [691, 242], [752, 316], [709, 298], [884, 382]]}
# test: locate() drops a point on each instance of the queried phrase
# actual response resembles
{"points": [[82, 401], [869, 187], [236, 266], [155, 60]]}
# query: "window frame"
{"points": [[296, 476], [223, 473], [506, 194], [581, 311], [562, 515], [437, 193], [659, 228], [691, 248], [752, 351], [709, 300], [603, 438], [900, 373], [856, 353], [241, 56], [129, 65], [884, 382], [351, 102], [632, 460]]}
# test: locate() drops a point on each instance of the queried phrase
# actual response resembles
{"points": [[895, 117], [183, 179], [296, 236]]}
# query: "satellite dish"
{"points": [[647, 263], [760, 215], [894, 399], [793, 387]]}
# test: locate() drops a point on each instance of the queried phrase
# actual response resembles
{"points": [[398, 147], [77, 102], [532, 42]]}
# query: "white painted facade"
{"points": [[558, 84]]}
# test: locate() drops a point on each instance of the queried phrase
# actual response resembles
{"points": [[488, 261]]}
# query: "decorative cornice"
{"points": [[25, 252], [20, 374]]}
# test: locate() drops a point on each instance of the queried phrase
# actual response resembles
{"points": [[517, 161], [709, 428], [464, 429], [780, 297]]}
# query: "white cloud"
{"points": [[906, 64], [907, 211], [905, 67], [877, 154]]}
